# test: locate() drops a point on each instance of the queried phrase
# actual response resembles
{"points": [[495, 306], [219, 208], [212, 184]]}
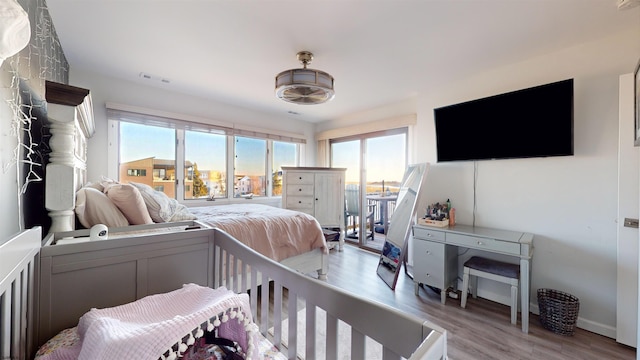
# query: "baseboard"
{"points": [[582, 323]]}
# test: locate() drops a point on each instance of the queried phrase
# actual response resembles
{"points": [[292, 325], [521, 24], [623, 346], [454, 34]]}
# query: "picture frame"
{"points": [[636, 104]]}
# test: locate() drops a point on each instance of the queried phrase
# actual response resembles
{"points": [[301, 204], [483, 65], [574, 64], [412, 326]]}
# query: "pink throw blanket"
{"points": [[146, 328]]}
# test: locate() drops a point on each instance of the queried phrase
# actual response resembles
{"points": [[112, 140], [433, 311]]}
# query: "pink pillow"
{"points": [[93, 207], [130, 202]]}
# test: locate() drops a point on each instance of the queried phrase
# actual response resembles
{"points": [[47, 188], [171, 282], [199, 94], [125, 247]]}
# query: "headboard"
{"points": [[18, 259], [71, 123]]}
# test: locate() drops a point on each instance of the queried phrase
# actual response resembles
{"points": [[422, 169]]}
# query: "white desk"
{"points": [[435, 256]]}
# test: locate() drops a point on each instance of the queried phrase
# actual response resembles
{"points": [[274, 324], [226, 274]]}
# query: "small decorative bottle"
{"points": [[452, 217]]}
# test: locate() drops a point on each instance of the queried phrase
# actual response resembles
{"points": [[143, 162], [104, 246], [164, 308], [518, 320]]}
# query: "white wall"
{"points": [[569, 203], [106, 89]]}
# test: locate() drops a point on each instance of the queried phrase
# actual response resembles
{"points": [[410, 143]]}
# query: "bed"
{"points": [[295, 300], [299, 243]]}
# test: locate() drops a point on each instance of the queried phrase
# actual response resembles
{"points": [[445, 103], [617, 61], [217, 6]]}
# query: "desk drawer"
{"points": [[299, 178], [427, 234], [484, 243], [294, 190], [429, 263]]}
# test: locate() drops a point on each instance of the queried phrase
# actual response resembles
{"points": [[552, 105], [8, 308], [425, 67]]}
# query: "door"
{"points": [[628, 200], [373, 160]]}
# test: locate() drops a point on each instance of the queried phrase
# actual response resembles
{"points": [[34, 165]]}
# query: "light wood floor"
{"points": [[482, 330]]}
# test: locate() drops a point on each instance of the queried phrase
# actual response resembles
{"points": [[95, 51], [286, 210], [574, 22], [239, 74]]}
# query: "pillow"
{"points": [[161, 207], [94, 207], [95, 185], [130, 202]]}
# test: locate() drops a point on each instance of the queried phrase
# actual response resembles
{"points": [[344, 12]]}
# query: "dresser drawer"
{"points": [[294, 178], [428, 234], [300, 189], [484, 243], [299, 202]]}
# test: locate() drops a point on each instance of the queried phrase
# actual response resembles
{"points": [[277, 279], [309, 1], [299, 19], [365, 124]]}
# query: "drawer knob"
{"points": [[480, 242], [428, 275], [429, 235], [300, 178], [299, 202], [428, 252], [299, 189]]}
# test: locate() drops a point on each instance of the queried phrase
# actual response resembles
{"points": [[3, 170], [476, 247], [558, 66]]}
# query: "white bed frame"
{"points": [[399, 334], [71, 123]]}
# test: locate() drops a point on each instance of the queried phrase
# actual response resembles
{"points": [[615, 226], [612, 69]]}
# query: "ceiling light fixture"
{"points": [[304, 86]]}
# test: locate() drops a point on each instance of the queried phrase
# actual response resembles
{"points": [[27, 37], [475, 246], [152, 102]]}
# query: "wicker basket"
{"points": [[558, 311]]}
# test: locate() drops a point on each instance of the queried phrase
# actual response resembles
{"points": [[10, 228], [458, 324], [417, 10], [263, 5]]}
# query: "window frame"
{"points": [[180, 127]]}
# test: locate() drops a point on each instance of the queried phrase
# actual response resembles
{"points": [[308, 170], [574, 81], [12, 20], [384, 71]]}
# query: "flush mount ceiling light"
{"points": [[304, 86]]}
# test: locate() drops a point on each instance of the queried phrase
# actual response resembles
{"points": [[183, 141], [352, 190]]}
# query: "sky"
{"points": [[386, 159], [205, 149]]}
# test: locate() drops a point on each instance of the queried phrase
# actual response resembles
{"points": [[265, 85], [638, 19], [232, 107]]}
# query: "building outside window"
{"points": [[197, 159]]}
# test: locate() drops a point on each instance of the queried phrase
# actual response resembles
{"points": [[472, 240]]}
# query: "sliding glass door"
{"points": [[375, 162]]}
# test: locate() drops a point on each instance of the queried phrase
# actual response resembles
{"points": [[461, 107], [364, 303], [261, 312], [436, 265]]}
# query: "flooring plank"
{"points": [[482, 330]]}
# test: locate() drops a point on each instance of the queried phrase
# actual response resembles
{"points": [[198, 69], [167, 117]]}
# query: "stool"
{"points": [[494, 270]]}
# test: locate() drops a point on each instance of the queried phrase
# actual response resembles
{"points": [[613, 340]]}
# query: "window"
{"points": [[205, 165], [250, 167], [159, 174], [190, 161], [385, 160], [136, 172], [284, 154], [146, 150]]}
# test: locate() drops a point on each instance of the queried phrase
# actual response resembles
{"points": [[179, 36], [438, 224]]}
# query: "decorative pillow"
{"points": [[95, 185], [161, 207], [130, 202], [94, 207]]}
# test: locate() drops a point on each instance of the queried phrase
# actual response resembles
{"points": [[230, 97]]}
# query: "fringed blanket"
{"points": [[150, 327]]}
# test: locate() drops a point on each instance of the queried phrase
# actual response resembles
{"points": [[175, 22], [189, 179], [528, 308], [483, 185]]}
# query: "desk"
{"points": [[383, 201], [435, 256]]}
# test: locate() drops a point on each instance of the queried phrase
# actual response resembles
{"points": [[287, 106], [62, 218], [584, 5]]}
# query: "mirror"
{"points": [[395, 245]]}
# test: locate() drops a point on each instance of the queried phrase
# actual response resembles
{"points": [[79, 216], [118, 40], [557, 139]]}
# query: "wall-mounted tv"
{"points": [[533, 122]]}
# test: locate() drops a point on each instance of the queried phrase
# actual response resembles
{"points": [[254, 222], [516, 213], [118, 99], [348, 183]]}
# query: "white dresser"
{"points": [[317, 191], [435, 256]]}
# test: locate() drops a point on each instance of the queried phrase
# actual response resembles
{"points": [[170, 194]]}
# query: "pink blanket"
{"points": [[146, 328], [274, 232]]}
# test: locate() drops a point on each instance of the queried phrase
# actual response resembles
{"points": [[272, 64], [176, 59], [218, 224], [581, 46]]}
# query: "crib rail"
{"points": [[400, 335], [18, 258]]}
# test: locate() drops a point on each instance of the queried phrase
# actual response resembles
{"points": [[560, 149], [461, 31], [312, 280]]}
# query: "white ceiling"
{"points": [[380, 52]]}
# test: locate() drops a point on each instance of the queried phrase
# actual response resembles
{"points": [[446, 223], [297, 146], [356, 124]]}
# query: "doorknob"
{"points": [[632, 223]]}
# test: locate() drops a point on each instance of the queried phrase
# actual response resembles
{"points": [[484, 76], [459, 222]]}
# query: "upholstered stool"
{"points": [[494, 270]]}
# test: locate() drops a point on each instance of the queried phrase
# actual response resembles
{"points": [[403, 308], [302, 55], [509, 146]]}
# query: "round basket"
{"points": [[558, 311]]}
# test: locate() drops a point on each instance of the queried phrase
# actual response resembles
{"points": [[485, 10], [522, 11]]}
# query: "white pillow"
{"points": [[130, 202], [93, 207], [161, 207]]}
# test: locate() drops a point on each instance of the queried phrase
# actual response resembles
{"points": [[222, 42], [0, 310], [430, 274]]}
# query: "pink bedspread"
{"points": [[274, 232]]}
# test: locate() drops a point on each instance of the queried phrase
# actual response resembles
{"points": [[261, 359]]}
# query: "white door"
{"points": [[628, 200]]}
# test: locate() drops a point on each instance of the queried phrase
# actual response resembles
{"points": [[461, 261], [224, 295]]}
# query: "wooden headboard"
{"points": [[71, 123]]}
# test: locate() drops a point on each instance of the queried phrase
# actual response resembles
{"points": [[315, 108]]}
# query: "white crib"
{"points": [[399, 335]]}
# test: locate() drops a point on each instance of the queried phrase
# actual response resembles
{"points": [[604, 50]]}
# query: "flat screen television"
{"points": [[532, 122]]}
